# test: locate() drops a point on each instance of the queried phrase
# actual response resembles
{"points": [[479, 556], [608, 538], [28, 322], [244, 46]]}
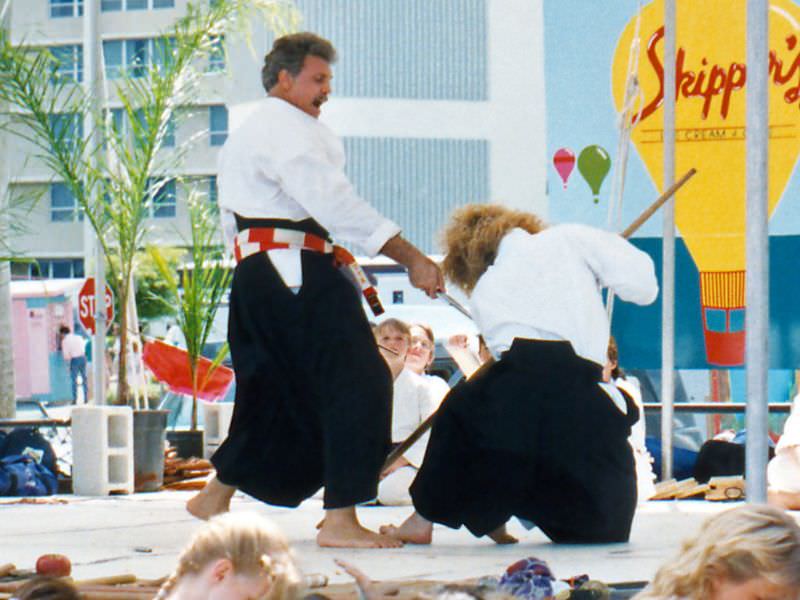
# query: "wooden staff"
{"points": [[403, 446]]}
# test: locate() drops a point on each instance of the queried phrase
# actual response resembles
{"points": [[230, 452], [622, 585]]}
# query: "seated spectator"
{"points": [[783, 471], [420, 358], [468, 358], [235, 557], [47, 588], [414, 401], [751, 552], [644, 462]]}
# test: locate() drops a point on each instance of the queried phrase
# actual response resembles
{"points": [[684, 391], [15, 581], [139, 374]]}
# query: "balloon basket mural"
{"points": [[723, 306]]}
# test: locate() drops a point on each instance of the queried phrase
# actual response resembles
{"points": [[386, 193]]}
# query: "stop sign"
{"points": [[86, 307]]}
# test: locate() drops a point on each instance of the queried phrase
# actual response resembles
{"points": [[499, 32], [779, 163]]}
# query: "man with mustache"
{"points": [[313, 396]]}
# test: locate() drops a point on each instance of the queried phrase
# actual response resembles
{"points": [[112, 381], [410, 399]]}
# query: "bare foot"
{"points": [[786, 500], [341, 529], [414, 530], [501, 536], [212, 500]]}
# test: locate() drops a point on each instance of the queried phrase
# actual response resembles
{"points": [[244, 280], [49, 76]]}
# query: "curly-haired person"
{"points": [[533, 434], [750, 552]]}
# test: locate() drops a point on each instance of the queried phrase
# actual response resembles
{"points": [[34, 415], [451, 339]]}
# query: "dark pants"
{"points": [[313, 394], [532, 436], [77, 366]]}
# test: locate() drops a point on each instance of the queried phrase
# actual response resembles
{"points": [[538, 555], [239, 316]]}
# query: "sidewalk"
{"points": [[143, 534]]}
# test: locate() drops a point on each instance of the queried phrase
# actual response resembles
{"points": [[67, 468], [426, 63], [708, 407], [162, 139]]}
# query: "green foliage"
{"points": [[115, 173], [154, 297], [200, 286]]}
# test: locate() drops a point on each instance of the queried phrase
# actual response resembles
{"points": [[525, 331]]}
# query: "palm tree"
{"points": [[202, 285], [118, 174]]}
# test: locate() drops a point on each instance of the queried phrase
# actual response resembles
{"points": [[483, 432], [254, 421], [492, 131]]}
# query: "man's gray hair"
{"points": [[289, 52]]}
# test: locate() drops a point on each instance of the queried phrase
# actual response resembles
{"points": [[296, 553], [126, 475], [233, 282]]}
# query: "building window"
{"points": [[60, 9], [68, 62], [135, 56], [117, 5], [218, 124], [410, 41], [63, 205], [168, 141], [163, 205], [216, 58], [163, 50], [47, 268], [113, 54], [213, 191], [121, 125], [67, 127]]}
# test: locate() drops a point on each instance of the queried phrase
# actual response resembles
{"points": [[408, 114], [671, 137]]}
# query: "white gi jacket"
{"points": [[547, 286], [415, 399], [282, 163]]}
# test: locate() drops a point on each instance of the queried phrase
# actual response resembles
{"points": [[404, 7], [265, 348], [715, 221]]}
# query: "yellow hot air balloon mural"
{"points": [[711, 76]]}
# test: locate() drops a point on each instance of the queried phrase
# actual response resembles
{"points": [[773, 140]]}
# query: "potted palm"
{"points": [[202, 284], [115, 165], [119, 173]]}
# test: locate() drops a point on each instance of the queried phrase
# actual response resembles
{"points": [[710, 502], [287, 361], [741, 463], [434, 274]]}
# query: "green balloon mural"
{"points": [[594, 164]]}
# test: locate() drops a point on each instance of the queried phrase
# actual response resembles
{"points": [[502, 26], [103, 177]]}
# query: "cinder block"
{"points": [[216, 420], [102, 450]]}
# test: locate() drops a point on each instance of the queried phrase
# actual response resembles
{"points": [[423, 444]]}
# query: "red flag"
{"points": [[170, 365]]}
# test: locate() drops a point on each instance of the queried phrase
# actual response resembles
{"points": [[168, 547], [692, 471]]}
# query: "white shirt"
{"points": [[547, 286], [282, 163], [414, 401], [73, 346]]}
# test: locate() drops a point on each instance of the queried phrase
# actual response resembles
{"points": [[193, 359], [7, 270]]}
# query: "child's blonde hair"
{"points": [[740, 544], [254, 545]]}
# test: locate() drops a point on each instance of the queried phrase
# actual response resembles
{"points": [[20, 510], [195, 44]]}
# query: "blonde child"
{"points": [[751, 552], [234, 556]]}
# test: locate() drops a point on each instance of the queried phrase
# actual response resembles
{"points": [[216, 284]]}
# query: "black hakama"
{"points": [[313, 394], [532, 436]]}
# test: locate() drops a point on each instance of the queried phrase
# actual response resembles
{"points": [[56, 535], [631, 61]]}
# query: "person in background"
{"points": [[751, 552], [420, 358], [73, 349], [783, 470], [235, 557], [47, 588], [414, 400], [612, 373]]}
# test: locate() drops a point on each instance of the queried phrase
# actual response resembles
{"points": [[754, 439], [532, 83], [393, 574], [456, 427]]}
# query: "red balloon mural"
{"points": [[564, 162]]}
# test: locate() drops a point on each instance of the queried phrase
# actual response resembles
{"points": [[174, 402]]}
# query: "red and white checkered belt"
{"points": [[261, 239]]}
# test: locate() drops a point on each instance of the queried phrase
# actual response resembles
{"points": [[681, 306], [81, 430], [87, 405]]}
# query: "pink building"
{"points": [[39, 309]]}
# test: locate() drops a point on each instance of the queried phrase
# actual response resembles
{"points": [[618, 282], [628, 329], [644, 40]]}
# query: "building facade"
{"points": [[439, 103]]}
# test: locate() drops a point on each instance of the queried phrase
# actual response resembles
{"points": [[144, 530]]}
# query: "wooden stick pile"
{"points": [[114, 587], [184, 473], [717, 488]]}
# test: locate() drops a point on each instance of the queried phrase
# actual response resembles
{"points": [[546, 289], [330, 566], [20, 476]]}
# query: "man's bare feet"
{"points": [[341, 529], [212, 500], [786, 500], [414, 530], [501, 536]]}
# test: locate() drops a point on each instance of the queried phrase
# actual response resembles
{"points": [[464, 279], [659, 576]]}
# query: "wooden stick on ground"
{"points": [[403, 447]]}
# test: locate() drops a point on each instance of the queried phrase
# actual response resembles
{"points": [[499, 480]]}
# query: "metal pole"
{"points": [[8, 403], [757, 244], [91, 48], [668, 248]]}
